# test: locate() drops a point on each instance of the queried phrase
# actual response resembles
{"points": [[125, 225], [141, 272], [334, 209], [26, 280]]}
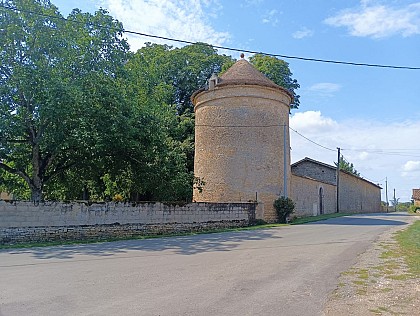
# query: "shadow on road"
{"points": [[366, 220], [185, 245], [195, 244]]}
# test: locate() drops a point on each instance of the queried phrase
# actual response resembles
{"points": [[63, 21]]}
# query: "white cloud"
{"points": [[180, 19], [271, 17], [302, 33], [411, 167], [325, 89], [376, 149], [379, 21], [363, 155], [312, 122]]}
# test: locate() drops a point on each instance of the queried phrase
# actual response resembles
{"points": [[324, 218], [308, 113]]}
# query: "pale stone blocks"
{"points": [[25, 222]]}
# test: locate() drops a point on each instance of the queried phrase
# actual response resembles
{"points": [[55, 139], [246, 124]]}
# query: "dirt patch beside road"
{"points": [[377, 284]]}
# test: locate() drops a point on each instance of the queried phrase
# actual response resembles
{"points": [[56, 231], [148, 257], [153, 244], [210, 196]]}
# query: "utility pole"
{"points": [[285, 161], [395, 202], [386, 193], [338, 180]]}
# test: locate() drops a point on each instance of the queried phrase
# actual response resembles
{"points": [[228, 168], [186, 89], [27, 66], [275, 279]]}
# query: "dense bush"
{"points": [[284, 207], [414, 209]]}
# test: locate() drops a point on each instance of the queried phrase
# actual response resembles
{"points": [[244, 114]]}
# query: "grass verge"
{"points": [[310, 219], [400, 261], [409, 241]]}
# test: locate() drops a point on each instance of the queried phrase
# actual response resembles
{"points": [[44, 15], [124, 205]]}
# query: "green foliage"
{"points": [[81, 117], [284, 207], [14, 185], [199, 184], [409, 241], [163, 79], [310, 219], [404, 207], [414, 209], [77, 120], [347, 166], [58, 83], [278, 71], [178, 71]]}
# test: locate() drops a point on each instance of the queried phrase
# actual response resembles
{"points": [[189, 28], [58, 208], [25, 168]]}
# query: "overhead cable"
{"points": [[310, 140], [388, 152], [222, 47]]}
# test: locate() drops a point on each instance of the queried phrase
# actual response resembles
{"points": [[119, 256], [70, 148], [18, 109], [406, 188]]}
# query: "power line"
{"points": [[222, 47], [260, 126], [374, 149], [389, 152], [277, 55], [310, 140], [247, 126], [358, 173]]}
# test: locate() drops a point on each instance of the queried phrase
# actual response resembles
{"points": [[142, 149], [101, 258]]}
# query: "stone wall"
{"points": [[416, 197], [358, 195], [317, 171], [310, 196], [25, 222], [6, 196]]}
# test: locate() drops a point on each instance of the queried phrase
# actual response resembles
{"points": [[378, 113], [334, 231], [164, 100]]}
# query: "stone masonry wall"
{"points": [[25, 222], [315, 171], [358, 195], [305, 194]]}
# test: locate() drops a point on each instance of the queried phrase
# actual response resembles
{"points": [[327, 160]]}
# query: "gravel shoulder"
{"points": [[377, 284]]}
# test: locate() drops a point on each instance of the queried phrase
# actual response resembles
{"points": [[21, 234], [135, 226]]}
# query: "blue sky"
{"points": [[372, 113]]}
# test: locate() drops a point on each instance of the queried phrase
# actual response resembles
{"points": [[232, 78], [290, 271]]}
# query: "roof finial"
{"points": [[242, 55]]}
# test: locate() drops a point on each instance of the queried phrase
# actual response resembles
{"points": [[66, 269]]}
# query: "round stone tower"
{"points": [[242, 148]]}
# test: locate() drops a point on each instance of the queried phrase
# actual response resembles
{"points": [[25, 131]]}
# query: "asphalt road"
{"points": [[281, 271]]}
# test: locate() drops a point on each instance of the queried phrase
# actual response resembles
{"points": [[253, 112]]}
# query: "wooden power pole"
{"points": [[338, 181], [386, 194]]}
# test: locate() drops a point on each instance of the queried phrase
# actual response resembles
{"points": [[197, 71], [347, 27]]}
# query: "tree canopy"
{"points": [[83, 117], [347, 166], [63, 94], [278, 71]]}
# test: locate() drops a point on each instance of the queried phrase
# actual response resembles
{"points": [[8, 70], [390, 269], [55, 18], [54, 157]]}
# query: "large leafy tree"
{"points": [[169, 76], [59, 90], [278, 71], [182, 70], [80, 113]]}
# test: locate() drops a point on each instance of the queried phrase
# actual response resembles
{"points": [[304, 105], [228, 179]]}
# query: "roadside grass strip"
{"points": [[409, 241], [310, 219]]}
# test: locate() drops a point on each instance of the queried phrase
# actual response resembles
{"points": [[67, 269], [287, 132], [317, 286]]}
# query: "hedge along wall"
{"points": [[51, 221]]}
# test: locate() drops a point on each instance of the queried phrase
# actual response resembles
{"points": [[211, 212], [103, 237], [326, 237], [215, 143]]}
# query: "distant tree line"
{"points": [[83, 117]]}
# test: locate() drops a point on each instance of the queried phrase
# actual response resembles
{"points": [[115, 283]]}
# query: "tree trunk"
{"points": [[36, 195], [37, 179]]}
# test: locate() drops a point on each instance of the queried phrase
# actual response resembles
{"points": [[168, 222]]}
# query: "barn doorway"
{"points": [[321, 201]]}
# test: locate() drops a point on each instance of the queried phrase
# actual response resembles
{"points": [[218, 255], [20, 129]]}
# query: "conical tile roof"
{"points": [[242, 72]]}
